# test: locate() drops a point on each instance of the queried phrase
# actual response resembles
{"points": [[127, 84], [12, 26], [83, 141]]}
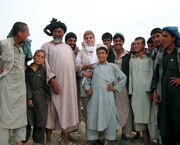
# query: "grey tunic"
{"points": [[102, 103], [12, 88], [140, 76]]}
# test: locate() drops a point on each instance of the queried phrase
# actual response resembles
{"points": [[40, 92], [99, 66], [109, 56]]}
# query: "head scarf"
{"points": [[89, 48], [175, 32], [53, 25]]}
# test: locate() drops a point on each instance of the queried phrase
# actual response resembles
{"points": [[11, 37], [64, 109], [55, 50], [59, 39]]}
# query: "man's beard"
{"points": [[57, 40]]}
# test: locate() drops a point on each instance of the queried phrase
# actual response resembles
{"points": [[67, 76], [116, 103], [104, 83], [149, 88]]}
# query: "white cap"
{"points": [[100, 45]]}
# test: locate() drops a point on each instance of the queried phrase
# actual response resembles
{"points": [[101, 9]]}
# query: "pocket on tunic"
{"points": [[108, 79], [146, 67], [173, 65]]}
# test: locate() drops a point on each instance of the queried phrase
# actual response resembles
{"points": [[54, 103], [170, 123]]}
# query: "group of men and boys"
{"points": [[137, 90]]}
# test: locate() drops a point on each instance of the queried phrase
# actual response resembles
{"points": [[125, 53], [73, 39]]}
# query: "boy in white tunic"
{"points": [[101, 109], [140, 76]]}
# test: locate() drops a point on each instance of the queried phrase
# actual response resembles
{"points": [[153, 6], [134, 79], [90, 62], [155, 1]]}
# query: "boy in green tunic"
{"points": [[101, 110], [140, 76]]}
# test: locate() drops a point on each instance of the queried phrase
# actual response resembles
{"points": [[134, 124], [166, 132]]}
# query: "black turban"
{"points": [[53, 25]]}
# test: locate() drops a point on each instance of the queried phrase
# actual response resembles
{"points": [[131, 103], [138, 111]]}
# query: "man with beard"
{"points": [[12, 85], [71, 39], [61, 75]]}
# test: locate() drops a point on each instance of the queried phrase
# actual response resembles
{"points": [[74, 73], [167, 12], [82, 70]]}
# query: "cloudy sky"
{"points": [[132, 18]]}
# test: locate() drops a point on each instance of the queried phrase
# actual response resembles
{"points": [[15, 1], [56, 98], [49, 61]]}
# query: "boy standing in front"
{"points": [[101, 110]]}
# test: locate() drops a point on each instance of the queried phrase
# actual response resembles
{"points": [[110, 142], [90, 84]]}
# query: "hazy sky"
{"points": [[132, 18]]}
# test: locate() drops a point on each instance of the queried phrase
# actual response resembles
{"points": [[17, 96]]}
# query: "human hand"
{"points": [[87, 74], [175, 81], [89, 92], [155, 97], [30, 103], [89, 66], [55, 86], [110, 87], [1, 70]]}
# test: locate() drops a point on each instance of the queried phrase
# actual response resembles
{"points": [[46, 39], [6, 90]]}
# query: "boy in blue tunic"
{"points": [[101, 111]]}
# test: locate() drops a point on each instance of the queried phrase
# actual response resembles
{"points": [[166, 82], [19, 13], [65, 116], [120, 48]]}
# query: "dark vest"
{"points": [[125, 63]]}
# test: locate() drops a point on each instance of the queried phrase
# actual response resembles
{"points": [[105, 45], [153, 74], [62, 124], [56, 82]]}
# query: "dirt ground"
{"points": [[81, 139]]}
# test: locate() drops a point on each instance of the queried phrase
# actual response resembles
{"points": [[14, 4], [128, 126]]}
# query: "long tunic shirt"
{"points": [[168, 115], [140, 76], [39, 92], [122, 98], [12, 89], [61, 64], [102, 103]]}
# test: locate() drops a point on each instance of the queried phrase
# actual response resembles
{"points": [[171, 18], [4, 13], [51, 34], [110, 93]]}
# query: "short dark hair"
{"points": [[106, 35], [150, 40], [70, 35], [119, 35], [18, 27], [141, 38], [102, 48], [156, 30]]}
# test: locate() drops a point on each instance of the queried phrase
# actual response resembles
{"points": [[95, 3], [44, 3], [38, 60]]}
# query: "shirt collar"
{"points": [[13, 42], [123, 54], [102, 64]]}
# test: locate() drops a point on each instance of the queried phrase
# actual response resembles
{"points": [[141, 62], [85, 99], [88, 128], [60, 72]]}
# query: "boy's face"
{"points": [[72, 42], [102, 56], [138, 46], [157, 39], [39, 58], [150, 46], [107, 42], [132, 47], [118, 43]]}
